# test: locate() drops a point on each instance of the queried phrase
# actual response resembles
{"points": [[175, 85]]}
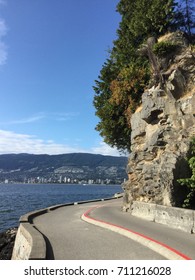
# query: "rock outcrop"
{"points": [[7, 240], [162, 128]]}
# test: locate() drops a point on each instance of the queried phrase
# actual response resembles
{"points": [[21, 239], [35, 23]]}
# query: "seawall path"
{"points": [[100, 230]]}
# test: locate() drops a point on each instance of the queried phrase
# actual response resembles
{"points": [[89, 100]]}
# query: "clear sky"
{"points": [[51, 51]]}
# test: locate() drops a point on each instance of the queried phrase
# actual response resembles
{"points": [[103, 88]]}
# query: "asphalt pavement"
{"points": [[102, 234]]}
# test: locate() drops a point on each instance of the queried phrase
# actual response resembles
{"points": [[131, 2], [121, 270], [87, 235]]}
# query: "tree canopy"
{"points": [[126, 73]]}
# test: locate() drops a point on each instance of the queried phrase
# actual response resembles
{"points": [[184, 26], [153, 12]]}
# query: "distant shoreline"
{"points": [[84, 184]]}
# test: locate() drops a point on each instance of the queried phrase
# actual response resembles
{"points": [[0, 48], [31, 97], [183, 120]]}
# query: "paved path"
{"points": [[71, 238]]}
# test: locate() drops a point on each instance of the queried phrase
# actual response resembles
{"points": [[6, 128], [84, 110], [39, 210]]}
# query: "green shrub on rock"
{"points": [[164, 48], [189, 201]]}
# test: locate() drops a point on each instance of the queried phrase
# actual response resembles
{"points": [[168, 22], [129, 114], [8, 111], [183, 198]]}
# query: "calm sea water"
{"points": [[18, 199]]}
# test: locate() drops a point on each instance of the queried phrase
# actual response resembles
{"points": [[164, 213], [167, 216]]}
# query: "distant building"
{"points": [[90, 181]]}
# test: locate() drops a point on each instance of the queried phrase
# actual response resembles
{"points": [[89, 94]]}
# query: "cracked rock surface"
{"points": [[162, 128]]}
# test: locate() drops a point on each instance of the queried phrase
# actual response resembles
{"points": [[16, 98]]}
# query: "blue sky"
{"points": [[51, 51]]}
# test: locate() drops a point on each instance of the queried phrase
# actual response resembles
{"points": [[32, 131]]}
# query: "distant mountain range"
{"points": [[65, 168]]}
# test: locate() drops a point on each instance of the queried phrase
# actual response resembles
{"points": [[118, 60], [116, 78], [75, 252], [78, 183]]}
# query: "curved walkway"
{"points": [[108, 233]]}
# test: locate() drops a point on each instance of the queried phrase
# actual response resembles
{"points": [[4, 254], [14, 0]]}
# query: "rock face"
{"points": [[162, 128], [7, 240]]}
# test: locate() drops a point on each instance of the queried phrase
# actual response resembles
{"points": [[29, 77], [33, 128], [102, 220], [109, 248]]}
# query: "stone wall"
{"points": [[23, 244], [162, 128], [29, 244]]}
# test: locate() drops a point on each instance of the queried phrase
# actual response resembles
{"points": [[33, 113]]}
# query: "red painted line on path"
{"points": [[86, 214]]}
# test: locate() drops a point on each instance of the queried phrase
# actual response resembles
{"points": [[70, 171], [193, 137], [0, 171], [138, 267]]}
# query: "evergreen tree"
{"points": [[125, 74]]}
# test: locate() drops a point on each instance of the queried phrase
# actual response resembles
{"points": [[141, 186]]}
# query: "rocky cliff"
{"points": [[162, 128]]}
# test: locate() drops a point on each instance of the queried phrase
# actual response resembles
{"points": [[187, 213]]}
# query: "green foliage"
{"points": [[128, 87], [141, 19], [162, 49], [126, 73], [190, 182], [148, 17], [118, 100]]}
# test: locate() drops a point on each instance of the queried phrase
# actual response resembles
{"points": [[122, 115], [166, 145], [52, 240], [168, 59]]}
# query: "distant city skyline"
{"points": [[50, 54]]}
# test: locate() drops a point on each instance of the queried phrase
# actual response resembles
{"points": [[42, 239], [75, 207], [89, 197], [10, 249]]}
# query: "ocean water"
{"points": [[19, 199]]}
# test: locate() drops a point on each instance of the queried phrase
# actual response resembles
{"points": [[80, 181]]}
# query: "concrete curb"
{"points": [[174, 217], [30, 243], [193, 229], [162, 249]]}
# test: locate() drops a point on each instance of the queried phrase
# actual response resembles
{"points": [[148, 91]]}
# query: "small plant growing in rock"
{"points": [[189, 202], [164, 48]]}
